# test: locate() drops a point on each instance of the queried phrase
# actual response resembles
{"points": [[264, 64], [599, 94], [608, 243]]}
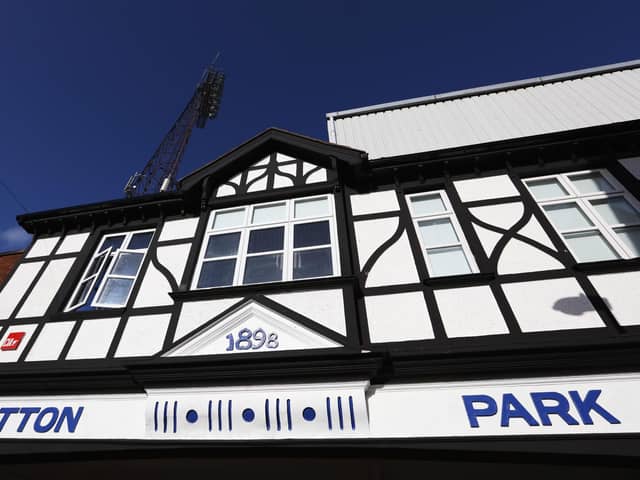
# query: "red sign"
{"points": [[12, 342]]}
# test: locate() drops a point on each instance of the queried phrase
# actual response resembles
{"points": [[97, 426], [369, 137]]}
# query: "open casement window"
{"points": [[269, 242], [111, 272], [594, 215], [445, 249]]}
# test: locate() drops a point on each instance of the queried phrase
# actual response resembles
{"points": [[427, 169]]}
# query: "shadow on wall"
{"points": [[578, 305]]}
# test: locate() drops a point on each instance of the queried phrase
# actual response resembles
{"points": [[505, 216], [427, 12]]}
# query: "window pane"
{"points": [[224, 245], [310, 234], [228, 219], [269, 213], [437, 232], [631, 238], [83, 293], [591, 183], [140, 240], [266, 240], [447, 261], [546, 188], [312, 263], [95, 264], [590, 246], [316, 207], [616, 211], [263, 268], [113, 242], [567, 216], [217, 274], [427, 205], [127, 263], [116, 291]]}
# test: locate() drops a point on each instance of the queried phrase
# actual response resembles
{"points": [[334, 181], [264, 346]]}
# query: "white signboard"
{"points": [[560, 405]]}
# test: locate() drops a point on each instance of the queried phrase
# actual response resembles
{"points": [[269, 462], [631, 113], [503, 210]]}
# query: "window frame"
{"points": [[584, 203], [288, 249], [449, 214], [103, 275]]}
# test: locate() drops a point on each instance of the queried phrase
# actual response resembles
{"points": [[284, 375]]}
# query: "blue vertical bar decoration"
{"points": [[229, 415], [219, 415], [340, 413], [278, 414], [329, 413], [164, 417], [288, 414], [267, 420], [210, 416], [155, 417], [175, 415], [352, 413]]}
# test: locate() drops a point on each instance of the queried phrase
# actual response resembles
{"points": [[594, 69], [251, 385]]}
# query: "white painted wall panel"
{"points": [[225, 191], [317, 177], [370, 234], [474, 117], [143, 335], [497, 186], [375, 202], [194, 314], [534, 231], [46, 288], [396, 266], [633, 165], [325, 307], [289, 335], [488, 238], [154, 290], [42, 247], [93, 339], [72, 243], [620, 293], [545, 305], [503, 216], [174, 259], [398, 317], [9, 356], [470, 312], [16, 287], [177, 229], [519, 257], [50, 341]]}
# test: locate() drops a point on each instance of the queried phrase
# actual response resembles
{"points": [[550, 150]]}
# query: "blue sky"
{"points": [[89, 88]]}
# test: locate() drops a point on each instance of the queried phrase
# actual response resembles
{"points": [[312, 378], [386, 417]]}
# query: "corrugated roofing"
{"points": [[584, 98]]}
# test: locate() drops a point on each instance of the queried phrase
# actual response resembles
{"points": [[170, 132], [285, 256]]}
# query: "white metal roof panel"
{"points": [[585, 98]]}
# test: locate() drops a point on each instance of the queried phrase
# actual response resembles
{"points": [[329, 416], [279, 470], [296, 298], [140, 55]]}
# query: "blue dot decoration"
{"points": [[192, 416], [248, 415], [309, 414]]}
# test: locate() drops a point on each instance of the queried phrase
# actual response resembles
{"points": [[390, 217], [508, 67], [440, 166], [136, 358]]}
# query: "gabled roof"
{"points": [[272, 140], [575, 100]]}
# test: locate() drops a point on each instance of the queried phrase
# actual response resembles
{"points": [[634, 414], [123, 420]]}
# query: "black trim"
{"points": [[322, 283]]}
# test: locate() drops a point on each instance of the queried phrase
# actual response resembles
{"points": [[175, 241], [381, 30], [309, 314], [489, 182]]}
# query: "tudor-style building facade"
{"points": [[469, 293]]}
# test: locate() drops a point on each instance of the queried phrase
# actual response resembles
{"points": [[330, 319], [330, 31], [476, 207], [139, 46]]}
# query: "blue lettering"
{"points": [[41, 427], [26, 415], [71, 419], [561, 407], [512, 408], [473, 413], [6, 413], [588, 403]]}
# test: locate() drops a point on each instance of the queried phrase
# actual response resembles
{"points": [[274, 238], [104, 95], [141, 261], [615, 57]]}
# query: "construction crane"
{"points": [[159, 174]]}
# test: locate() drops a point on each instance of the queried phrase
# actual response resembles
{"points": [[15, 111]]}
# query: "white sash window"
{"points": [[592, 212], [269, 242], [111, 273], [445, 249]]}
